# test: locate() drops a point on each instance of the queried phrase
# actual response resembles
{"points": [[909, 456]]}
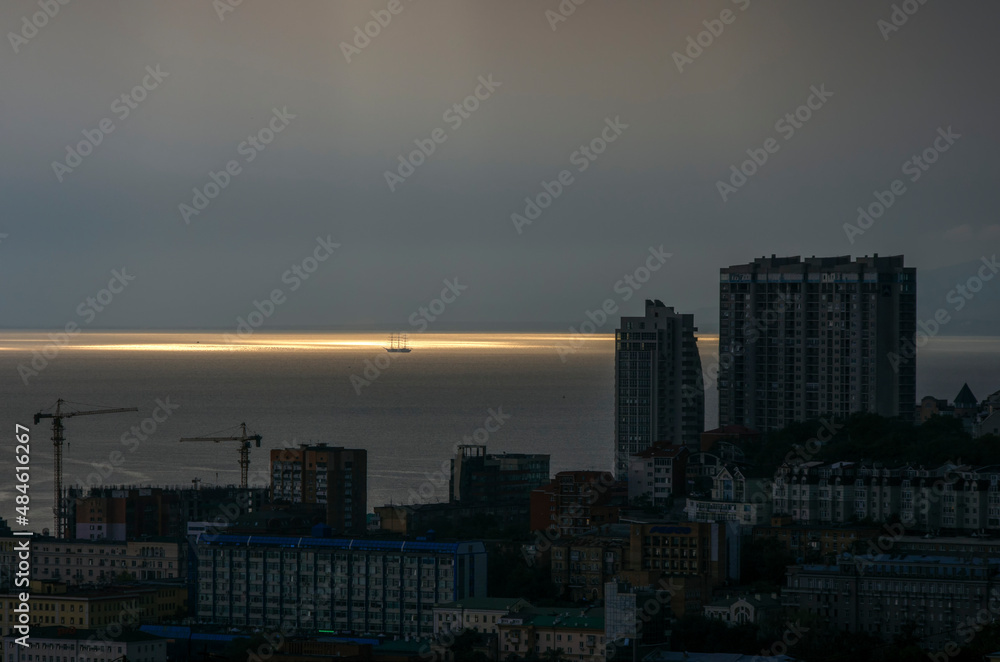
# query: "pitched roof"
{"points": [[965, 396]]}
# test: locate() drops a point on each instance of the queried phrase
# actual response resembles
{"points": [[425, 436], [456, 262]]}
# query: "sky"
{"points": [[668, 98]]}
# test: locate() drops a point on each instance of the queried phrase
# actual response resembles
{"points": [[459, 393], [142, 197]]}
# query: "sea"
{"points": [[514, 392]]}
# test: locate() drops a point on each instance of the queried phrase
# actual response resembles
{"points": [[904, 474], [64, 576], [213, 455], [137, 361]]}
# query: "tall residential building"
{"points": [[806, 338], [658, 394], [346, 585], [331, 475]]}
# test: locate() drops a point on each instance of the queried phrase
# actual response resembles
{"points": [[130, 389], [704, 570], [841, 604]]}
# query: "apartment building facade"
{"points": [[659, 395], [949, 497], [335, 584], [884, 594], [334, 476], [803, 339]]}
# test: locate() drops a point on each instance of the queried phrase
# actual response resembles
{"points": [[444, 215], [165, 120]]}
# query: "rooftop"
{"points": [[361, 544], [57, 632], [495, 604]]}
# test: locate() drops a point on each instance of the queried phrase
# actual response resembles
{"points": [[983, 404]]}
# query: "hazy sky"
{"points": [[555, 85]]}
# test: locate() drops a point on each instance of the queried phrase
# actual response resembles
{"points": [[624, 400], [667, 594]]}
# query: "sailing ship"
{"points": [[397, 344]]}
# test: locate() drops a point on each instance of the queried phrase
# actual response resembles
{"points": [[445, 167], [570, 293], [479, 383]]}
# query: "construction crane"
{"points": [[244, 440], [57, 416]]}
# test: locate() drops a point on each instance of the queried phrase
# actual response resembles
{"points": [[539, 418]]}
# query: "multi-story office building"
{"points": [[345, 585], [802, 339], [330, 475], [478, 477], [659, 394], [886, 594]]}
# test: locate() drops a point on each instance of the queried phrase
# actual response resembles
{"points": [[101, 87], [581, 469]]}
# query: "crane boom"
{"points": [[244, 440], [57, 416]]}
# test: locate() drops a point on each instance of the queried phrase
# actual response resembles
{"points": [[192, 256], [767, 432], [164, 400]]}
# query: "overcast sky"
{"points": [[553, 86]]}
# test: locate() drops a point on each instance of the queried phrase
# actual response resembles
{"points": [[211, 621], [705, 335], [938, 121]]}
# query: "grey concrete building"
{"points": [[658, 394], [806, 338]]}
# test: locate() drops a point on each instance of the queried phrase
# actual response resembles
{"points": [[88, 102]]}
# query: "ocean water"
{"points": [[297, 388]]}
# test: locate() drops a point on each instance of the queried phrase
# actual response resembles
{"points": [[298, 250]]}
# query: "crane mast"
{"points": [[57, 416], [244, 439]]}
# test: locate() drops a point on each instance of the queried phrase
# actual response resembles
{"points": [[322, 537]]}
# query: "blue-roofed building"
{"points": [[344, 585]]}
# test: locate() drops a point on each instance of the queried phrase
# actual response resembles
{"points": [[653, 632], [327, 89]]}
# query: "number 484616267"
{"points": [[23, 459]]}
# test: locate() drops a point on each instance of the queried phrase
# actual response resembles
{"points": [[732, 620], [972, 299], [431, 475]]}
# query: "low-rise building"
{"points": [[577, 633], [68, 644], [743, 609], [479, 614], [815, 543], [733, 498], [129, 512], [58, 604], [105, 561], [420, 518], [657, 473]]}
